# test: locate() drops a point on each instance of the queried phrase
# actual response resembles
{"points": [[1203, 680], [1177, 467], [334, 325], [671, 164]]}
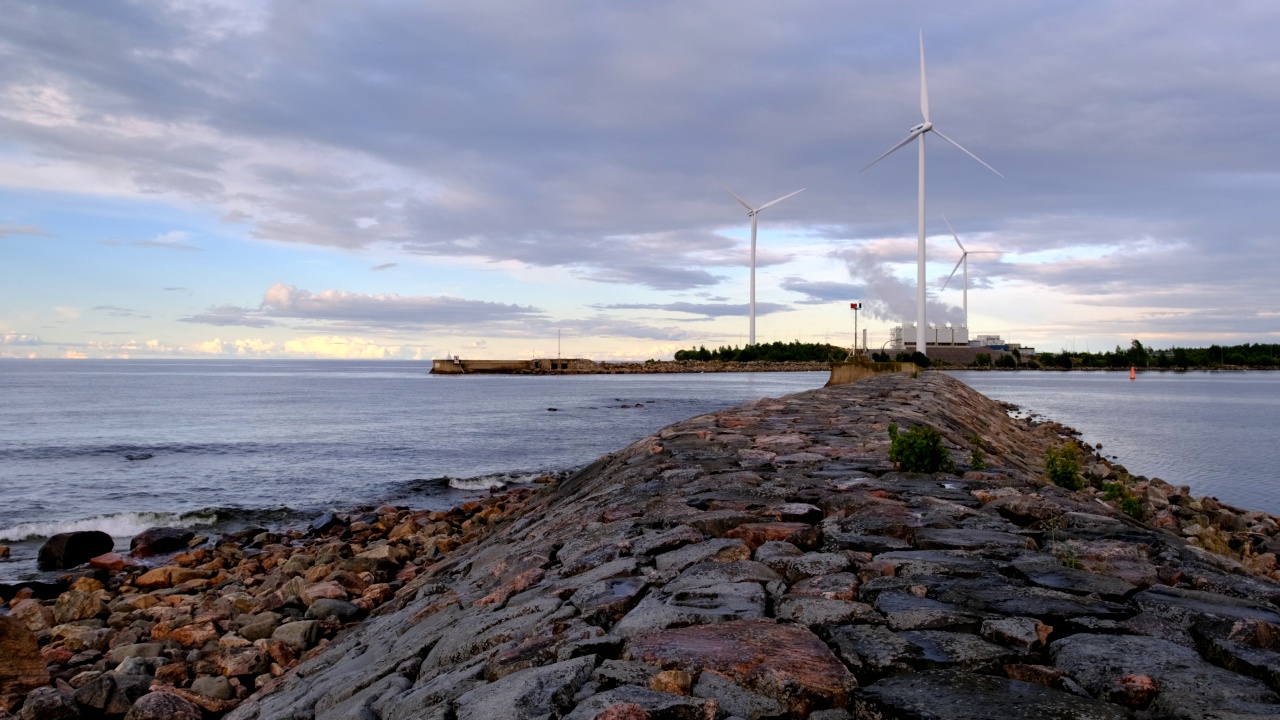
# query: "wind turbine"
{"points": [[964, 259], [752, 212], [919, 131]]}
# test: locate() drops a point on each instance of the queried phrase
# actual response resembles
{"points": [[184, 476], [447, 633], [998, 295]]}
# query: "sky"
{"points": [[406, 179]]}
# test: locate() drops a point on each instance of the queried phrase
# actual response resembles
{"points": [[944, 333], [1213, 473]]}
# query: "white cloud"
{"points": [[345, 348]]}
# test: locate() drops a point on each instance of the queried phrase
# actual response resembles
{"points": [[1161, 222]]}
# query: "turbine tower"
{"points": [[919, 131], [752, 212], [964, 259]]}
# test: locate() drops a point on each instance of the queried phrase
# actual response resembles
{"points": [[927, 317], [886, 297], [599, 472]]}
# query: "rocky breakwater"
{"points": [[769, 561], [188, 626]]}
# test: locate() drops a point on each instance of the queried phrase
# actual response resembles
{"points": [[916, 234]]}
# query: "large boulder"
{"points": [[67, 550], [48, 703], [21, 665], [163, 706], [160, 540]]}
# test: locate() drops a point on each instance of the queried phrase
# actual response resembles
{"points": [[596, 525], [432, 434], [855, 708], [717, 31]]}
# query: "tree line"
{"points": [[794, 351], [1138, 355]]}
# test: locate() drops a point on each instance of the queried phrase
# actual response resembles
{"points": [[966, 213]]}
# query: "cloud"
{"points": [[390, 310], [67, 313], [886, 296], [820, 292], [344, 348], [166, 241], [229, 315], [7, 231], [383, 266], [708, 310], [20, 339]]}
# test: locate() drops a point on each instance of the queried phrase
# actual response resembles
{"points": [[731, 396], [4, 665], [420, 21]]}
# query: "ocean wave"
{"points": [[124, 450], [128, 524]]}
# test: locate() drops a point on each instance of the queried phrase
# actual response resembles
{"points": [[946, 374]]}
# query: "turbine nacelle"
{"points": [[923, 127]]}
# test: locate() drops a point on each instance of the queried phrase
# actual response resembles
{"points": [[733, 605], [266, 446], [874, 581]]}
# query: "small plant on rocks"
{"points": [[919, 450], [1062, 464], [977, 458], [1128, 504]]}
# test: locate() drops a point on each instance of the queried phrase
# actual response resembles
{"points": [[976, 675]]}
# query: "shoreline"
{"points": [[793, 497]]}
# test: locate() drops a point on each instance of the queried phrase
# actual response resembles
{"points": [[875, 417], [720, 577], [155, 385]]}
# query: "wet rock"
{"points": [[958, 695], [967, 539], [1188, 686], [943, 649], [48, 703], [537, 692], [905, 611], [785, 662], [160, 540], [67, 550], [22, 667], [163, 706], [735, 700]]}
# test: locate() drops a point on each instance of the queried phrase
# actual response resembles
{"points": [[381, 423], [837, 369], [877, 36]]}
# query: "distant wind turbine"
{"points": [[964, 260], [919, 131], [752, 212]]}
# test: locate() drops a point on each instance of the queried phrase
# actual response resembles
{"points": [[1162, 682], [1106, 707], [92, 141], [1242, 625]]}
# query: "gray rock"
{"points": [[942, 649], [966, 539], [717, 550], [714, 574], [666, 541], [120, 653], [657, 704], [213, 686], [48, 703], [1047, 571], [298, 636], [333, 608], [958, 695], [164, 706], [139, 666], [658, 610], [905, 611], [538, 692], [737, 700], [1189, 686], [260, 628], [613, 673], [875, 651], [821, 612]]}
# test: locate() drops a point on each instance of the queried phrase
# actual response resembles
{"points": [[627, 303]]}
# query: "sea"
{"points": [[124, 445], [120, 446], [1218, 432]]}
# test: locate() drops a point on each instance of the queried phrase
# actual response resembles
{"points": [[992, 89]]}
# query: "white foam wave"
{"points": [[480, 483], [119, 525]]}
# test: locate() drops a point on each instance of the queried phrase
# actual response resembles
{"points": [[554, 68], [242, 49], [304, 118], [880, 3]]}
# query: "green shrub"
{"points": [[982, 359], [1062, 464], [1131, 507], [1114, 491], [977, 459], [919, 450]]}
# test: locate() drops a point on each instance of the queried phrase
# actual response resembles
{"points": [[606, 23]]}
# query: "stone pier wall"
{"points": [[769, 562]]}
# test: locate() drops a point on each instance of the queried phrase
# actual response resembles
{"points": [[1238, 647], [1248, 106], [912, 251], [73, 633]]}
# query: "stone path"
{"points": [[768, 561]]}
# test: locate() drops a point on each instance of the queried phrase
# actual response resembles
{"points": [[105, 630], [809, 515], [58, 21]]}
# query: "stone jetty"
{"points": [[767, 561]]}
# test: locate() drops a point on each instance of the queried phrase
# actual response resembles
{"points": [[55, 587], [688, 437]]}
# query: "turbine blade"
{"points": [[924, 86], [784, 197], [890, 151], [953, 272], [966, 152], [735, 197], [953, 233]]}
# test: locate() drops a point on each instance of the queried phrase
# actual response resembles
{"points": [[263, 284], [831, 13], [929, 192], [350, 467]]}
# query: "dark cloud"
{"points": [[590, 136], [230, 316], [116, 311], [383, 266], [822, 292], [709, 310]]}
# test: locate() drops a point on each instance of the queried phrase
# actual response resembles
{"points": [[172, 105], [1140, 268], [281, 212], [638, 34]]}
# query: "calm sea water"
{"points": [[278, 442], [1218, 432]]}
